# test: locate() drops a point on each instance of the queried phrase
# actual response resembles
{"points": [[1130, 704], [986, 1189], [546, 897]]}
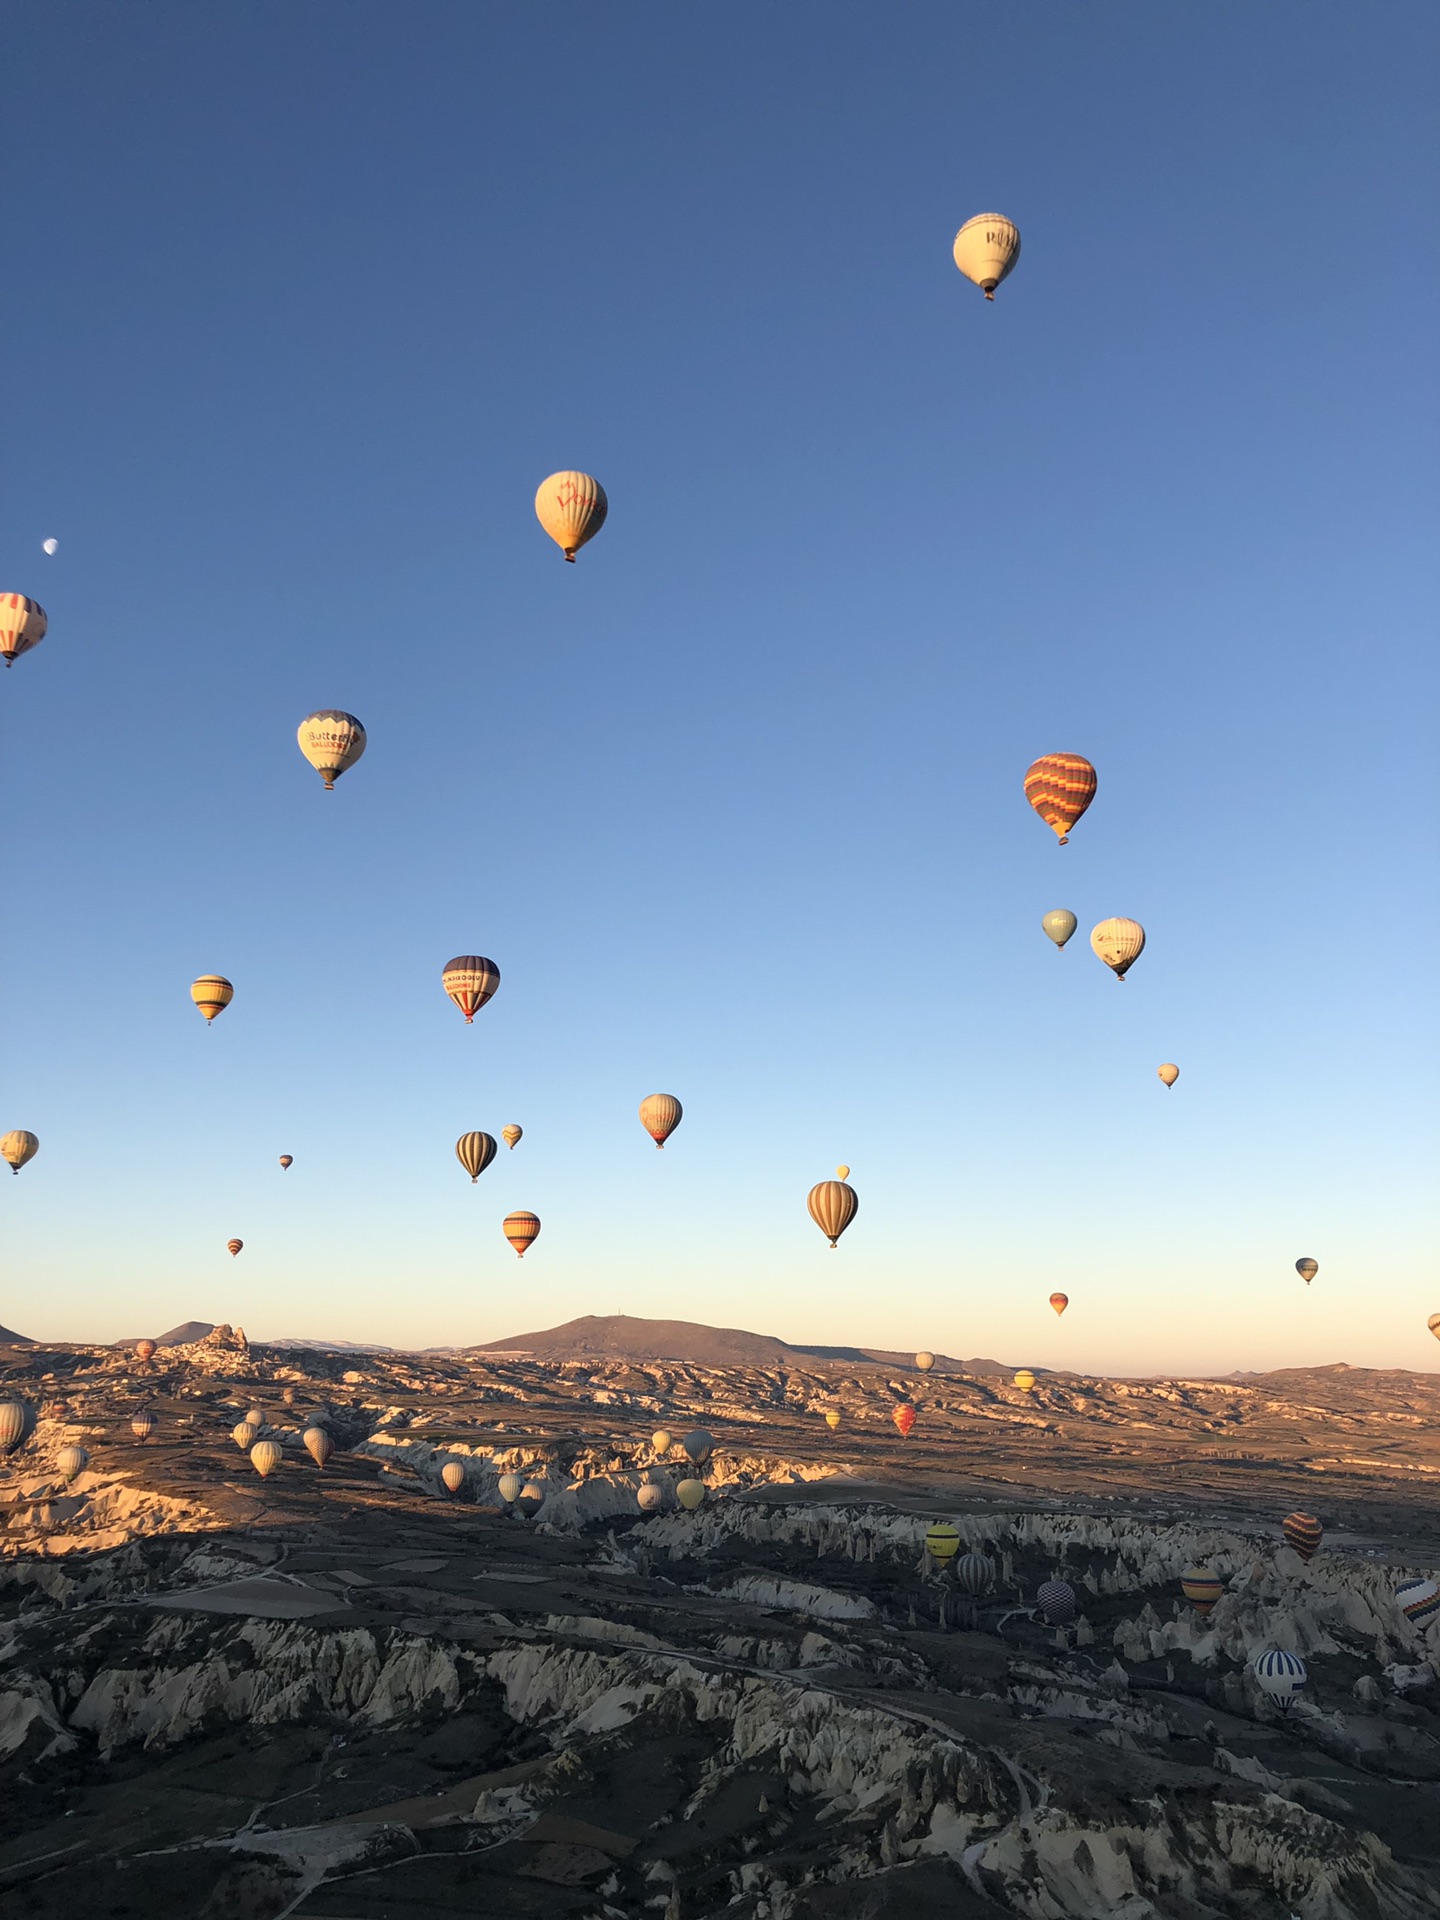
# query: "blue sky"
{"points": [[307, 300]]}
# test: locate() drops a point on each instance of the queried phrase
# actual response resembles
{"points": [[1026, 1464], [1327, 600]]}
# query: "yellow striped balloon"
{"points": [[470, 980], [331, 741], [660, 1114], [942, 1543], [833, 1205], [1119, 943], [1202, 1587], [212, 993], [511, 1135], [1025, 1380], [475, 1151], [571, 507], [1060, 786], [17, 1148], [22, 626], [986, 249], [832, 1418], [521, 1229]]}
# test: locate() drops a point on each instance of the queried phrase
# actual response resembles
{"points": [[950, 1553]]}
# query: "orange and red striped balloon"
{"points": [[904, 1418], [1060, 786], [1304, 1533], [521, 1230]]}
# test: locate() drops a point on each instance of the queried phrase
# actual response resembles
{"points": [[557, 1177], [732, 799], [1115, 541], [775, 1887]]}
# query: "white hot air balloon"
{"points": [[986, 248], [331, 741], [571, 507], [1119, 943]]}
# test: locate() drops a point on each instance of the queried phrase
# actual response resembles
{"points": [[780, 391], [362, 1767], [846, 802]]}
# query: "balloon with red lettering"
{"points": [[332, 741], [470, 980], [660, 1114], [571, 507]]}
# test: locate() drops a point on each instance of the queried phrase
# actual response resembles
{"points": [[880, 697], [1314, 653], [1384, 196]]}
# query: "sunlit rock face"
{"points": [[352, 1692]]}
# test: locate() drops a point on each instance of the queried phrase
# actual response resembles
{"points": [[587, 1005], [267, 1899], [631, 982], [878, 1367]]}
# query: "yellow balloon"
{"points": [[331, 741], [924, 1361], [661, 1441], [986, 249], [660, 1114], [17, 1148], [1119, 943], [571, 507], [212, 993], [832, 1418], [22, 626], [842, 1173], [1025, 1380], [690, 1494], [1169, 1073]]}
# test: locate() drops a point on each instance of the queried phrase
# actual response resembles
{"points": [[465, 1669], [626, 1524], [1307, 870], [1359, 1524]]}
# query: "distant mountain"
{"points": [[9, 1339], [186, 1334], [618, 1336], [333, 1346]]}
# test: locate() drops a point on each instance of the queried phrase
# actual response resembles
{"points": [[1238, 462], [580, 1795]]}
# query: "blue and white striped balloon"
{"points": [[1418, 1600], [1280, 1674]]}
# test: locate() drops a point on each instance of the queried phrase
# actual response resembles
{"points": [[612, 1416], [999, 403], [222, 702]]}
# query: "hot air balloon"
{"points": [[1119, 943], [232, 1247], [924, 1361], [1059, 1301], [1304, 1533], [144, 1349], [143, 1425], [453, 1475], [531, 1498], [832, 1418], [265, 1456], [470, 980], [1280, 1674], [475, 1151], [212, 993], [985, 249], [1418, 1600], [649, 1496], [904, 1418], [22, 626], [1059, 925], [660, 1114], [1056, 1600], [318, 1444], [1202, 1587], [72, 1462], [50, 546], [975, 1573], [512, 1135], [1307, 1269], [287, 1160], [833, 1205], [1025, 1380], [698, 1446], [17, 1423], [332, 742], [244, 1435], [508, 1487], [1060, 786], [942, 1543], [842, 1172], [18, 1148], [661, 1441], [1433, 1323], [256, 1417], [571, 507], [521, 1229], [690, 1494]]}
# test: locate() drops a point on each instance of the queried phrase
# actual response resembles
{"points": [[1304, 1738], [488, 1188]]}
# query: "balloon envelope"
{"points": [[50, 546], [244, 1435], [698, 1446], [832, 1418], [986, 249], [72, 1461], [833, 1205], [842, 1172], [331, 741], [17, 1149], [1169, 1073], [1060, 786], [975, 1573], [1059, 925], [470, 980], [212, 993], [521, 1230], [22, 626], [511, 1134], [475, 1151], [144, 1349], [1418, 1600], [1025, 1380], [1304, 1533], [531, 1496], [1056, 1600], [660, 1114], [1433, 1323], [942, 1543], [661, 1440], [233, 1247], [571, 507], [508, 1487], [287, 1160], [904, 1418], [143, 1425], [1307, 1270], [649, 1497], [1059, 1301], [17, 1422], [318, 1444], [265, 1456], [924, 1361], [690, 1494], [1280, 1674], [453, 1475], [1202, 1587], [1119, 943]]}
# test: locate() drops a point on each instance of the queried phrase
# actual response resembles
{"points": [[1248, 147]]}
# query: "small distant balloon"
{"points": [[521, 1230], [975, 1573], [649, 1496], [318, 1444], [508, 1487], [1059, 925], [453, 1475], [18, 1148], [470, 980], [512, 1135], [842, 1173], [1025, 1380], [986, 249], [1303, 1532], [143, 1425], [1307, 1270], [1119, 943], [50, 546], [23, 625], [265, 1456], [1059, 1301], [691, 1494], [924, 1361], [1202, 1587], [832, 1418], [212, 993], [1169, 1073], [1418, 1600], [1280, 1674], [244, 1435], [332, 741], [475, 1151], [833, 1205], [660, 1114], [233, 1247], [661, 1440], [72, 1461], [144, 1349], [571, 507], [287, 1160], [531, 1497], [904, 1418], [1056, 1600], [698, 1446], [17, 1423], [1433, 1323], [942, 1543], [1060, 786]]}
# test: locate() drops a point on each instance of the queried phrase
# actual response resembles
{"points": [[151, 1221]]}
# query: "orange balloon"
{"points": [[1059, 1301], [1060, 786], [521, 1230], [904, 1418]]}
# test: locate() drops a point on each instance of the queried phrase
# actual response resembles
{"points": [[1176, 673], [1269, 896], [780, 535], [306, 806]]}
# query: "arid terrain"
{"points": [[351, 1693]]}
